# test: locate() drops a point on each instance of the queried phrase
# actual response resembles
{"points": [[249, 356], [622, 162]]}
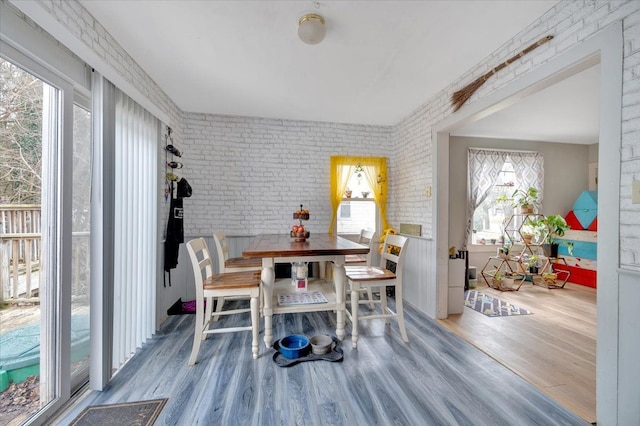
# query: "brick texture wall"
{"points": [[570, 22], [246, 149], [250, 174]]}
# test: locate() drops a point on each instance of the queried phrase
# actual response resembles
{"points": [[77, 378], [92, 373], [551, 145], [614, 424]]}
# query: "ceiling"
{"points": [[379, 61], [565, 112]]}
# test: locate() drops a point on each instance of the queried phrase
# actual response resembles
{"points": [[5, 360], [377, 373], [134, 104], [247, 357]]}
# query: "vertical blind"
{"points": [[135, 221]]}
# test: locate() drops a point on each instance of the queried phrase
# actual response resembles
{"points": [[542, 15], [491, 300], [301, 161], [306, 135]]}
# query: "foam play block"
{"points": [[573, 221], [580, 235], [580, 262], [586, 277], [586, 208], [580, 249], [594, 225]]}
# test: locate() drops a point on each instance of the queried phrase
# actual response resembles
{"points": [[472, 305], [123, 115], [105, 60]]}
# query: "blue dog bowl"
{"points": [[294, 346]]}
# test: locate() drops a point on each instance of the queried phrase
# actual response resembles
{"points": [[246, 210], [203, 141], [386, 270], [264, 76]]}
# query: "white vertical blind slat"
{"points": [[136, 145], [118, 243]]}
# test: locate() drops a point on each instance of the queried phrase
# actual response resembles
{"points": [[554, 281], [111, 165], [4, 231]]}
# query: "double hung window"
{"points": [[492, 173], [358, 194]]}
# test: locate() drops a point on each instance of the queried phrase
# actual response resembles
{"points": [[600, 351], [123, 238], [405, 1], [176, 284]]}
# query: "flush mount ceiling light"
{"points": [[311, 28]]}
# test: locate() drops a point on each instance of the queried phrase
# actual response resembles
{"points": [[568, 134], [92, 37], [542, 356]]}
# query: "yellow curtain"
{"points": [[375, 171]]}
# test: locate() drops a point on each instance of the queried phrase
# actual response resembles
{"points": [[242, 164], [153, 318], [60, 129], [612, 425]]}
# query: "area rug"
{"points": [[492, 306], [301, 298], [143, 413]]}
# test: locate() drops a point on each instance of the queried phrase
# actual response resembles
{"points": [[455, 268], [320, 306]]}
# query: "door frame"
{"points": [[605, 47]]}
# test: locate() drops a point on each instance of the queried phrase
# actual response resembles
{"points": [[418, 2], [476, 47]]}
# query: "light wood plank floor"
{"points": [[435, 379], [553, 349]]}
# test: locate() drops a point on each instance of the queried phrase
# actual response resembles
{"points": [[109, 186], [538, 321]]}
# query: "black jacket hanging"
{"points": [[175, 228]]}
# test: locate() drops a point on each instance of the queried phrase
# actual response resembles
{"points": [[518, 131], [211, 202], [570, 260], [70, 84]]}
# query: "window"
{"points": [[358, 194], [357, 210], [345, 210], [493, 173], [489, 216]]}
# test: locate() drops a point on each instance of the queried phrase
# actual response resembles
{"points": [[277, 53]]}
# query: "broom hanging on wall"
{"points": [[462, 95]]}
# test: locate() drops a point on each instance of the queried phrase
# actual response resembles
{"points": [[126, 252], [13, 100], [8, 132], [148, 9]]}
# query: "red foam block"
{"points": [[594, 225], [573, 221], [585, 277]]}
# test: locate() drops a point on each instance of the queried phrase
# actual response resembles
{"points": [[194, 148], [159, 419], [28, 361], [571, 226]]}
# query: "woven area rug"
{"points": [[143, 413], [491, 306]]}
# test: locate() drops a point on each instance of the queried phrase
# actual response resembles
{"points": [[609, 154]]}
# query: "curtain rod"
{"points": [[503, 150]]}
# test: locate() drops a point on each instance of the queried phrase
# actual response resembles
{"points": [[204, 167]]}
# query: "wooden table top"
{"points": [[281, 245]]}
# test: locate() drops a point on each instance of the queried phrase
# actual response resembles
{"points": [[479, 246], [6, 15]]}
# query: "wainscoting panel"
{"points": [[420, 275], [629, 324]]}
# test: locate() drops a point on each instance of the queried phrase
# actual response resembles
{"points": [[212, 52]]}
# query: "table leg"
{"points": [[340, 278], [268, 278], [322, 269]]}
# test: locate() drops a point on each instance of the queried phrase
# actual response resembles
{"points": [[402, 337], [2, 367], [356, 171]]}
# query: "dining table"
{"points": [[322, 248]]}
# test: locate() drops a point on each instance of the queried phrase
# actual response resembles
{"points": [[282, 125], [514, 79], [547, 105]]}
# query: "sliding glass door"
{"points": [[80, 243], [43, 239]]}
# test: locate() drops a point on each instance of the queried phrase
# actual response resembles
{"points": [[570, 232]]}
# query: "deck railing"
{"points": [[13, 267], [20, 238], [20, 249]]}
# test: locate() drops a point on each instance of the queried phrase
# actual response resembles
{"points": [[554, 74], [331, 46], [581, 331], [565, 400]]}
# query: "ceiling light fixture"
{"points": [[311, 28]]}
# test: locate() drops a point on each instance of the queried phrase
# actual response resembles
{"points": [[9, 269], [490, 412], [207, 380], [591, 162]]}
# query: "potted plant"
{"points": [[526, 200], [532, 264], [549, 277], [497, 279], [508, 280], [534, 227], [557, 227]]}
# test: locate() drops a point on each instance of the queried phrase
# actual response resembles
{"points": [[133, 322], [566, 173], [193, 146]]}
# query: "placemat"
{"points": [[301, 298]]}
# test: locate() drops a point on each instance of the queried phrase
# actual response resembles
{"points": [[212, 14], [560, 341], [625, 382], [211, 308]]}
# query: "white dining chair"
{"points": [[369, 238], [366, 237], [232, 264], [378, 277], [245, 284]]}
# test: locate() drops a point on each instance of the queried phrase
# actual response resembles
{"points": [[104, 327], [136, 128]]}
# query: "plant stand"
{"points": [[499, 274], [552, 272]]}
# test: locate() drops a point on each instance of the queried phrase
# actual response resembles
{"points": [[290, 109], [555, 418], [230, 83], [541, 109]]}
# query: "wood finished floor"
{"points": [[435, 379], [553, 349]]}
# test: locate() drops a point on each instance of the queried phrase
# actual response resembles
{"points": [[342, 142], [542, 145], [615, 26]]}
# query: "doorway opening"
{"points": [[603, 48]]}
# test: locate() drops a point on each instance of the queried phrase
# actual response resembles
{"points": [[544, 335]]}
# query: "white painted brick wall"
{"points": [[88, 30], [246, 149], [250, 174], [570, 22]]}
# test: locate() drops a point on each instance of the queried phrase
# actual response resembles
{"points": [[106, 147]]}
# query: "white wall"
{"points": [[565, 177], [250, 174], [73, 27], [571, 23], [414, 156]]}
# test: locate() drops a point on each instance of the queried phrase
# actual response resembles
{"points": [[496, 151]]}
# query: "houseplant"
{"points": [[497, 279], [526, 200], [557, 227], [534, 226], [532, 264]]}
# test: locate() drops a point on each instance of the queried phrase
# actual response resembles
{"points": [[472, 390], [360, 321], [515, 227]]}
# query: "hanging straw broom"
{"points": [[462, 95]]}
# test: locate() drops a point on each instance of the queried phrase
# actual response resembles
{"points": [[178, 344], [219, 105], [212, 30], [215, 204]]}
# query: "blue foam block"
{"points": [[586, 208], [581, 249]]}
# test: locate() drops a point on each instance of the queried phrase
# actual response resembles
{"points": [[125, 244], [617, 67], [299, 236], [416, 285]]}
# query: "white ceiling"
{"points": [[565, 112], [379, 62]]}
